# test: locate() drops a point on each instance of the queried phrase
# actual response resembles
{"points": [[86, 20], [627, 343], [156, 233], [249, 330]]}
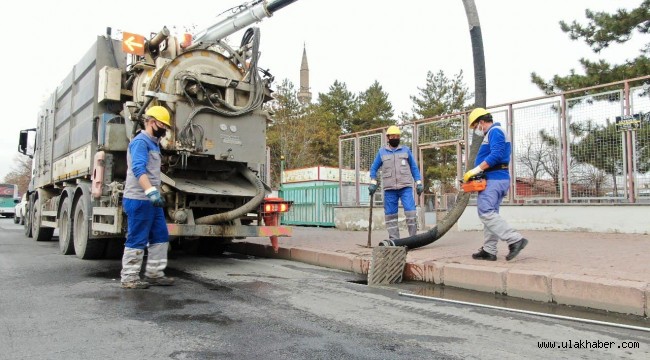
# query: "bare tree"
{"points": [[21, 173], [594, 181], [532, 159]]}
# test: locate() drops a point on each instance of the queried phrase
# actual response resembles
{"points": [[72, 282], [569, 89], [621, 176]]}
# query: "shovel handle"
{"points": [[370, 222]]}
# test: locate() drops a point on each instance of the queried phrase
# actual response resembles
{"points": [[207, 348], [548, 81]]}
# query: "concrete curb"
{"points": [[622, 296], [614, 295]]}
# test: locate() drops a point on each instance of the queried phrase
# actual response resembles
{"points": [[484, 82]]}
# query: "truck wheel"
{"points": [[85, 248], [39, 233], [66, 234], [27, 219]]}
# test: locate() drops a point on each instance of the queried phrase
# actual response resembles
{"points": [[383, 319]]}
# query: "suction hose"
{"points": [[240, 211], [419, 240], [454, 214]]}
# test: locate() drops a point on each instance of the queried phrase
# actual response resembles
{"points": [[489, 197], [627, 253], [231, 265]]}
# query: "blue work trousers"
{"points": [[391, 198], [146, 224]]}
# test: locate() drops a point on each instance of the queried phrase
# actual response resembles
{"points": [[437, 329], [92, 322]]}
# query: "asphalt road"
{"points": [[235, 307]]}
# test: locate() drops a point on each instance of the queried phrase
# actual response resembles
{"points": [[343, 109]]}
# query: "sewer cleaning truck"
{"points": [[214, 160]]}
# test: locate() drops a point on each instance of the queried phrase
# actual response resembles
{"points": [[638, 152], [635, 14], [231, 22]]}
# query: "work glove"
{"points": [[154, 196], [372, 188], [475, 171], [419, 188]]}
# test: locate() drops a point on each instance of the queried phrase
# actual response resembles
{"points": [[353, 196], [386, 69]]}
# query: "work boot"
{"points": [[484, 255], [134, 284], [516, 248], [160, 281]]}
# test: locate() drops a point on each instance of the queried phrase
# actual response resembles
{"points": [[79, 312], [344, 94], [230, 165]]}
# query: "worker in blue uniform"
{"points": [[398, 171], [492, 159], [143, 205]]}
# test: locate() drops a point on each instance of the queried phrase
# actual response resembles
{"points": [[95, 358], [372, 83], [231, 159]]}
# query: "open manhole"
{"points": [[362, 282]]}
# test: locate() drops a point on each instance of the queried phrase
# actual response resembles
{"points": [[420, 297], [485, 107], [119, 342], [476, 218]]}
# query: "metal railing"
{"points": [[589, 145]]}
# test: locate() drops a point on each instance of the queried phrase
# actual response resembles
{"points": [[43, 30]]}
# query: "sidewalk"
{"points": [[602, 271]]}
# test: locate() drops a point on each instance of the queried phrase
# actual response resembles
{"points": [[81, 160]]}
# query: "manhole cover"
{"points": [[387, 265]]}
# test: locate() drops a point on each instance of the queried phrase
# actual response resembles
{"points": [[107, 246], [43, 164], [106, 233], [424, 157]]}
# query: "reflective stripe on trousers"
{"points": [[495, 228], [131, 264], [411, 222], [156, 260], [392, 224]]}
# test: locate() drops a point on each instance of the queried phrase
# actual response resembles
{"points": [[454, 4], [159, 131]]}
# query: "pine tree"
{"points": [[338, 106], [601, 30], [441, 95], [374, 110]]}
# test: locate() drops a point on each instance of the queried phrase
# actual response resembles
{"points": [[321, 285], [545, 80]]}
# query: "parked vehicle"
{"points": [[8, 199], [20, 210]]}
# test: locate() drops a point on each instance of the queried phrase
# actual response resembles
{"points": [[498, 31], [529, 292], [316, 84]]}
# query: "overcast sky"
{"points": [[353, 41]]}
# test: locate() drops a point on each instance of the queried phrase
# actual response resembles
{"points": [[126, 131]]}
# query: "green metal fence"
{"points": [[313, 203]]}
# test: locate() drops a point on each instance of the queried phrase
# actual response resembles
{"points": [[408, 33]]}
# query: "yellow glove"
{"points": [[475, 171]]}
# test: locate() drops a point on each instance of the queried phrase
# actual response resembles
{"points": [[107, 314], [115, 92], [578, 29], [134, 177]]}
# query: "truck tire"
{"points": [[27, 219], [66, 233], [85, 248], [39, 233]]}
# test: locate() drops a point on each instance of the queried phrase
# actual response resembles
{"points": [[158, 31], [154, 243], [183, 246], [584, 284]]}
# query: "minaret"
{"points": [[304, 95]]}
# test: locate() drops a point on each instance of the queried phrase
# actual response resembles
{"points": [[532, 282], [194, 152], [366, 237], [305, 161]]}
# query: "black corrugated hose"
{"points": [[454, 214]]}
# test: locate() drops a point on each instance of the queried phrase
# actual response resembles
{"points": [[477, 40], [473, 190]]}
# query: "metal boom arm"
{"points": [[247, 14]]}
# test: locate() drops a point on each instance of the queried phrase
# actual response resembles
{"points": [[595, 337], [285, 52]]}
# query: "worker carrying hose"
{"points": [[399, 170], [492, 159]]}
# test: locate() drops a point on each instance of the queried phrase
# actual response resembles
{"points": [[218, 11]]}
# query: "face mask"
{"points": [[479, 132], [160, 132], [393, 142]]}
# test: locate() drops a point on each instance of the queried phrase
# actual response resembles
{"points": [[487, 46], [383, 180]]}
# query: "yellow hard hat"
{"points": [[474, 115], [393, 130], [159, 113]]}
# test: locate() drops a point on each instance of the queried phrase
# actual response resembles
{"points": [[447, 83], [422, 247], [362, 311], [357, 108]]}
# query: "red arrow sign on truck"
{"points": [[133, 43]]}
